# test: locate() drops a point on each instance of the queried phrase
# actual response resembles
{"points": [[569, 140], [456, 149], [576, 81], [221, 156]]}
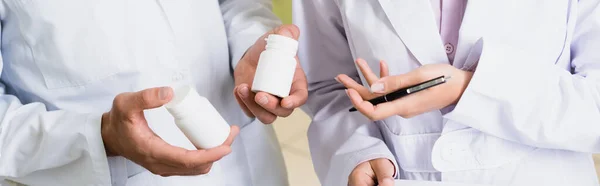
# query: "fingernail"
{"points": [[244, 92], [289, 105], [163, 93], [337, 79], [263, 100], [348, 94], [361, 62], [377, 88], [285, 32]]}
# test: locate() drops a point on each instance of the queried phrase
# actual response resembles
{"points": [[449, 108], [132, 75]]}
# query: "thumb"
{"points": [[290, 30], [384, 171], [149, 98]]}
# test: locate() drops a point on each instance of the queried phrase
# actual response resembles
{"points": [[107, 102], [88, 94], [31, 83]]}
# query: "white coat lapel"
{"points": [[471, 30], [414, 23]]}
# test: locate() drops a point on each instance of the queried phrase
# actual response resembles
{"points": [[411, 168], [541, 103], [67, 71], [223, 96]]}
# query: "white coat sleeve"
{"points": [[245, 21], [41, 147], [338, 140], [525, 100]]}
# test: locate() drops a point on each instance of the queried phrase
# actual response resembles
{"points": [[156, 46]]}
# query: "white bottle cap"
{"points": [[197, 118], [276, 66], [283, 43]]}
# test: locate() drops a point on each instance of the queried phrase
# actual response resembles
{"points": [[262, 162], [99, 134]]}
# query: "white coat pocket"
{"points": [[411, 140], [75, 42]]}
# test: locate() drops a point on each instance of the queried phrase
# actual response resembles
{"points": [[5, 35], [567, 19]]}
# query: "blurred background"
{"points": [[291, 131], [283, 9]]}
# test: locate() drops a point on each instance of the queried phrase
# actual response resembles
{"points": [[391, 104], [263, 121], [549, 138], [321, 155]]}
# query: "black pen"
{"points": [[407, 91]]}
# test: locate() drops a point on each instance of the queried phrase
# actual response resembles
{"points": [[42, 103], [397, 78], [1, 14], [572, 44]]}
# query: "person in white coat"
{"points": [[66, 63], [522, 106]]}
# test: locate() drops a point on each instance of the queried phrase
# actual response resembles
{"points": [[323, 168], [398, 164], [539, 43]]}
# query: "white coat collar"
{"points": [[472, 29], [415, 24]]}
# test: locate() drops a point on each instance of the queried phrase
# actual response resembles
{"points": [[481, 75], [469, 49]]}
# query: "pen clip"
{"points": [[426, 85]]}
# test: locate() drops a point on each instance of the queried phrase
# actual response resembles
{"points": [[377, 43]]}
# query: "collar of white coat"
{"points": [[414, 23]]}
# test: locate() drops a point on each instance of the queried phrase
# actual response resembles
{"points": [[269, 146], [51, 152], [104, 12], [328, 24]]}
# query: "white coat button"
{"points": [[448, 153], [455, 152], [177, 77], [449, 48]]}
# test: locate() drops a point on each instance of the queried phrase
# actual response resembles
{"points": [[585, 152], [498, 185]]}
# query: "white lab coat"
{"points": [[530, 116], [63, 62]]}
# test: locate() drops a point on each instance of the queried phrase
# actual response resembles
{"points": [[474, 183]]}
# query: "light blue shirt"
{"points": [[63, 62]]}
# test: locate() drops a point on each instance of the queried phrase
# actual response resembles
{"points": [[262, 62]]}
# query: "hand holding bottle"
{"points": [[264, 106], [125, 132]]}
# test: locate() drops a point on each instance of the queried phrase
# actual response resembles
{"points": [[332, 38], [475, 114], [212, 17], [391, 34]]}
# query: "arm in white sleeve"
{"points": [[38, 147], [522, 99], [338, 140], [245, 21]]}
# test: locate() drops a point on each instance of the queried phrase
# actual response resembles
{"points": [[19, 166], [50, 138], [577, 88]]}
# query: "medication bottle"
{"points": [[276, 66], [199, 121]]}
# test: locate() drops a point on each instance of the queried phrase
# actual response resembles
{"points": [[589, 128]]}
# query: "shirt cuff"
{"points": [[470, 65], [96, 150], [118, 170]]}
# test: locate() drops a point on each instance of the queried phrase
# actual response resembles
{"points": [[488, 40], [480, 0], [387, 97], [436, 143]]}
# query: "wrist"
{"points": [[105, 133], [243, 57], [465, 79]]}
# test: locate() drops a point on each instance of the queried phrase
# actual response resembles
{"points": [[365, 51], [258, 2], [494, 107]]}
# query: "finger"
{"points": [[362, 175], [384, 171], [162, 152], [386, 182], [383, 69], [167, 170], [366, 71], [271, 104], [296, 99], [359, 103], [392, 83], [299, 91], [361, 180], [247, 97], [241, 103], [289, 30], [349, 83], [203, 169], [406, 107], [372, 112], [235, 130], [145, 99]]}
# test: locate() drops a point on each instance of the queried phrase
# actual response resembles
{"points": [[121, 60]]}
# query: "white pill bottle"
{"points": [[276, 66], [199, 121]]}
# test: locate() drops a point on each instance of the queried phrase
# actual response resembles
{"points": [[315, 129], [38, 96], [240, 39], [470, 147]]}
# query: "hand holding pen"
{"points": [[407, 91], [435, 90]]}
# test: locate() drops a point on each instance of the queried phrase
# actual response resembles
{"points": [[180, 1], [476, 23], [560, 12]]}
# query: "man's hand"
{"points": [[125, 132], [262, 105], [371, 173], [427, 100]]}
